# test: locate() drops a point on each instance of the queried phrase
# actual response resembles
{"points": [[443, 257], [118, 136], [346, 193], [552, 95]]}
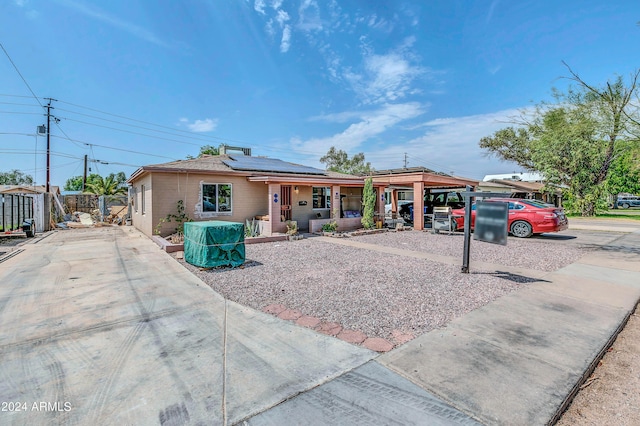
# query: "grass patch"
{"points": [[633, 215]]}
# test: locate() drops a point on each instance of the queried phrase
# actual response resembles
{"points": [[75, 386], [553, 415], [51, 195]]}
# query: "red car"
{"points": [[526, 217]]}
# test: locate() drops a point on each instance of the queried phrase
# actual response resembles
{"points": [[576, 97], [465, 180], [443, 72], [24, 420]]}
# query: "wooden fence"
{"points": [[14, 210]]}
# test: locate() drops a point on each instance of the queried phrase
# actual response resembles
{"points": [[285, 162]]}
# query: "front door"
{"points": [[285, 203]]}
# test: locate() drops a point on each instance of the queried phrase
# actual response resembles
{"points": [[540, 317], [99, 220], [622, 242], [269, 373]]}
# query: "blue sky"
{"points": [[147, 82]]}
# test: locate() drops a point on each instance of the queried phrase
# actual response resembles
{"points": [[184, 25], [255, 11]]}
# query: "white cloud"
{"points": [[199, 126], [309, 16], [452, 144], [282, 17], [375, 78], [380, 23], [259, 6], [279, 20], [270, 28], [386, 78], [97, 13], [371, 124], [20, 3], [339, 117], [285, 43]]}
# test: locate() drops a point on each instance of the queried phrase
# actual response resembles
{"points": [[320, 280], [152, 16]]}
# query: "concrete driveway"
{"points": [[101, 327]]}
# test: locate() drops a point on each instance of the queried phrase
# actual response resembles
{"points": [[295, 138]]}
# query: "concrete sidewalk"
{"points": [[104, 328], [518, 360], [521, 358]]}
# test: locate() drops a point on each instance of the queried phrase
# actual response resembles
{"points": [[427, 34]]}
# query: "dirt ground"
{"points": [[611, 396]]}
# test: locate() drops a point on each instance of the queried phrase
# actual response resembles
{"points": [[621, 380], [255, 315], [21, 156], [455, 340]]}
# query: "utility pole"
{"points": [[405, 160], [48, 180], [84, 176]]}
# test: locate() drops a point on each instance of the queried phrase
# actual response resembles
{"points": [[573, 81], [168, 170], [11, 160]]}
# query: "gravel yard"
{"points": [[530, 253], [375, 293]]}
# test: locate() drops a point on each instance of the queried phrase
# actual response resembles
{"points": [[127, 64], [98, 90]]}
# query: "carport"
{"points": [[418, 179]]}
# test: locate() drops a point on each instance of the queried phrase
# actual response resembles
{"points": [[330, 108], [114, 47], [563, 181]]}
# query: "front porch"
{"points": [[313, 202]]}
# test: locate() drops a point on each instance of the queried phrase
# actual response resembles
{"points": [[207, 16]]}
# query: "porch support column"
{"points": [[418, 206], [394, 200], [380, 202], [274, 209], [335, 202]]}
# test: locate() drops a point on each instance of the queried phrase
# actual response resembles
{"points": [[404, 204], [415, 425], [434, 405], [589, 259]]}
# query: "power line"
{"points": [[15, 96], [64, 155], [192, 135], [132, 125], [17, 103], [20, 74], [92, 153], [89, 144], [153, 124], [20, 112], [133, 133], [39, 169]]}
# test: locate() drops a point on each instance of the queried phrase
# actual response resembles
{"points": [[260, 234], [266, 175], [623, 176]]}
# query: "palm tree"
{"points": [[105, 186]]}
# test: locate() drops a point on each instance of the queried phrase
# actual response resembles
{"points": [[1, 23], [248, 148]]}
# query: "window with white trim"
{"points": [[216, 198], [321, 197]]}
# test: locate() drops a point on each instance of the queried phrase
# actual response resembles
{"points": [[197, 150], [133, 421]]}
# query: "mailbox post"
{"points": [[495, 221]]}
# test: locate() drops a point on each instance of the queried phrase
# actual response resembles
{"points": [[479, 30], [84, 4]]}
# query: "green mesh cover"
{"points": [[214, 243]]}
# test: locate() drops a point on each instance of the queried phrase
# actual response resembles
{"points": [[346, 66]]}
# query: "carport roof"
{"points": [[430, 179], [520, 185]]}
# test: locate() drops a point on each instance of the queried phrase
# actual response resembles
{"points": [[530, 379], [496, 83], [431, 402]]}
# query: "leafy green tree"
{"points": [[205, 150], [75, 183], [338, 160], [369, 203], [624, 175], [208, 150], [111, 185], [15, 177], [575, 141]]}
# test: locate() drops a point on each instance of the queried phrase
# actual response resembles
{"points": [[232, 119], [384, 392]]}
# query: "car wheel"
{"points": [[521, 229], [625, 206]]}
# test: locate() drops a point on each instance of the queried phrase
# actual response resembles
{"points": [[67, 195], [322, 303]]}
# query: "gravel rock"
{"points": [[375, 293], [528, 253]]}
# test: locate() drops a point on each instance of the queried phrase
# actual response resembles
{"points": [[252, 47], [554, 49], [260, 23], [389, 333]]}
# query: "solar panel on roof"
{"points": [[261, 164]]}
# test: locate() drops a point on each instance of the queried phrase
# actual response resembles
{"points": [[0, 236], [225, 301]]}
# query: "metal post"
{"points": [[467, 230], [13, 206]]}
